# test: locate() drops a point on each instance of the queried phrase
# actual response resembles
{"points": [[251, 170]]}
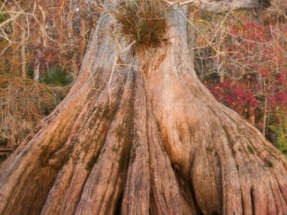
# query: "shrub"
{"points": [[57, 77]]}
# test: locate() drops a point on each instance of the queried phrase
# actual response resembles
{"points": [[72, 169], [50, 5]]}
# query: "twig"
{"points": [[179, 3]]}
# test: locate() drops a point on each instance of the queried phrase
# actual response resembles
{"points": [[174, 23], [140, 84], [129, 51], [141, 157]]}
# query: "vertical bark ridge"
{"points": [[104, 184], [137, 186], [85, 149], [151, 186], [256, 170], [165, 196], [215, 167]]}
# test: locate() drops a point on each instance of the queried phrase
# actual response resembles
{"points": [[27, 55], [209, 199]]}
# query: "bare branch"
{"points": [[218, 6]]}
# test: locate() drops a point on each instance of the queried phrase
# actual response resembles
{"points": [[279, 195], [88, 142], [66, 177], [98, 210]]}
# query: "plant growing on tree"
{"points": [[142, 23]]}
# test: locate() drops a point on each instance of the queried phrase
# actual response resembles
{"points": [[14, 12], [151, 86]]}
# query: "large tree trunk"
{"points": [[143, 138]]}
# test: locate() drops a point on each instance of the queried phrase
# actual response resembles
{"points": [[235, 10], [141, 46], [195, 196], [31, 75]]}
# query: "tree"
{"points": [[138, 132], [251, 56]]}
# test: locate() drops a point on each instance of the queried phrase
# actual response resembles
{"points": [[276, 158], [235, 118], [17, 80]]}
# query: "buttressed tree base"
{"points": [[139, 134]]}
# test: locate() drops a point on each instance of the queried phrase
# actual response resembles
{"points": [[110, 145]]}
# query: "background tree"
{"points": [[36, 44], [138, 132]]}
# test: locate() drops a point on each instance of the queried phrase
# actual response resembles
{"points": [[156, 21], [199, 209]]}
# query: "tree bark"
{"points": [[145, 137]]}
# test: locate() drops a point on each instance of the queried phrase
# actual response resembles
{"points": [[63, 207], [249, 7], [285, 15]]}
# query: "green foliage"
{"points": [[57, 77], [30, 72], [3, 16], [7, 27], [47, 106], [143, 23], [281, 130]]}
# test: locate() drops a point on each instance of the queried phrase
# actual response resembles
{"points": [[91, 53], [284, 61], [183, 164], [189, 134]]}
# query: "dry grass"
{"points": [[23, 103], [143, 23]]}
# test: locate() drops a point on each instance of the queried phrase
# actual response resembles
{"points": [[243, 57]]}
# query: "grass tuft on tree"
{"points": [[142, 23]]}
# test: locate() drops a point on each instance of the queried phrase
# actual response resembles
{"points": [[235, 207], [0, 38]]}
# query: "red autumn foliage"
{"points": [[237, 96], [256, 64]]}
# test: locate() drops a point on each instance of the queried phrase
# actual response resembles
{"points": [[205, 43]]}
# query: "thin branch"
{"points": [[217, 6]]}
